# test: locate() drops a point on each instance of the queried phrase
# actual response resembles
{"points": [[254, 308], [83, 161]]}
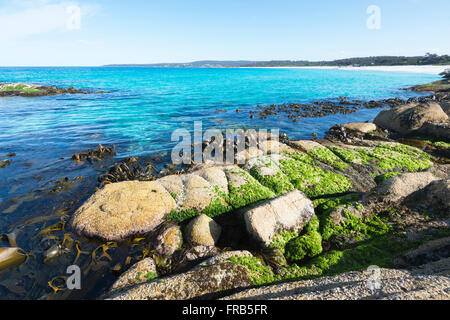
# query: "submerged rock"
{"points": [[289, 212], [206, 283], [123, 209], [203, 231]]}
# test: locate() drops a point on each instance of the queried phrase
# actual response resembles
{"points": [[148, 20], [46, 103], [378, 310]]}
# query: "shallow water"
{"points": [[138, 112]]}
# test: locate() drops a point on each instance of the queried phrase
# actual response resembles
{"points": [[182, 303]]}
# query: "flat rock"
{"points": [[123, 209], [361, 126], [203, 231], [206, 283], [289, 212], [394, 285]]}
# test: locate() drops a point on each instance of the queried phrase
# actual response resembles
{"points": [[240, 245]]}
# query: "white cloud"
{"points": [[41, 16]]}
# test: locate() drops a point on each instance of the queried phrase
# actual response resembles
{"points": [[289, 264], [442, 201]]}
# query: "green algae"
{"points": [[305, 246], [346, 155], [279, 183], [219, 205], [352, 226], [311, 179], [248, 193], [383, 177], [22, 88], [379, 251], [281, 239], [326, 156], [401, 157], [258, 272], [387, 157]]}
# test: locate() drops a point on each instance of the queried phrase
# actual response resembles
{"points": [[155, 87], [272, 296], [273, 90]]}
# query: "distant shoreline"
{"points": [[429, 69]]}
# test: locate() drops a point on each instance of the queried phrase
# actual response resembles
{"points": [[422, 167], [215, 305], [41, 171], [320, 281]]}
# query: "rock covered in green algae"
{"points": [[122, 209], [140, 272], [203, 231], [307, 245], [32, 90], [289, 212], [207, 282]]}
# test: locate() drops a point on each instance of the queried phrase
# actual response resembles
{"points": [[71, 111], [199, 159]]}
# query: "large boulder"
{"points": [[206, 283], [289, 212], [123, 209], [203, 231], [410, 117]]}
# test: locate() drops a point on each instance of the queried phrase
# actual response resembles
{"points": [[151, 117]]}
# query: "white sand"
{"points": [[413, 69]]}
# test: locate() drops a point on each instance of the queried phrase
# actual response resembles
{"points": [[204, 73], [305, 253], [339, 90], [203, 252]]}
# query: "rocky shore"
{"points": [[362, 214], [32, 90], [304, 219]]}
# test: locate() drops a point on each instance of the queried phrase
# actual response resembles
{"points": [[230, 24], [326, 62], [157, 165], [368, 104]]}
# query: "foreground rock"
{"points": [[206, 283], [289, 212], [394, 285], [123, 209]]}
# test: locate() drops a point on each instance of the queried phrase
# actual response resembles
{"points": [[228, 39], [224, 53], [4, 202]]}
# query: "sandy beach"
{"points": [[413, 68]]}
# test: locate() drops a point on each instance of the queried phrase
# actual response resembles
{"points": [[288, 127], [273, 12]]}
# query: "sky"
{"points": [[99, 32]]}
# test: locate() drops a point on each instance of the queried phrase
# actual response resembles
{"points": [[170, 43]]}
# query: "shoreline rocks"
{"points": [[32, 90]]}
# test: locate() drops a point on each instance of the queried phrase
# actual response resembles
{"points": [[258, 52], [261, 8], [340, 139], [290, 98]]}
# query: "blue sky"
{"points": [[47, 32]]}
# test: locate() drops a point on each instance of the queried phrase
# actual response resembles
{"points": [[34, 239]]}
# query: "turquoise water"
{"points": [[138, 112], [142, 106]]}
